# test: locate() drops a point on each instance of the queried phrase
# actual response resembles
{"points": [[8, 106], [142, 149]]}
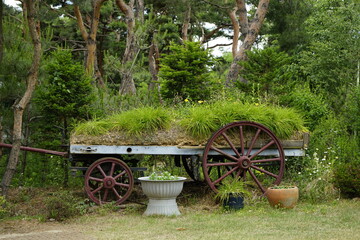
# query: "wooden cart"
{"points": [[240, 150]]}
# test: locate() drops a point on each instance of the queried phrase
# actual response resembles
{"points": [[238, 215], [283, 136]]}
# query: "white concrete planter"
{"points": [[162, 195]]}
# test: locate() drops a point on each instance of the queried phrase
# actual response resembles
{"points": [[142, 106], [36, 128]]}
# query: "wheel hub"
{"points": [[244, 162], [109, 182]]}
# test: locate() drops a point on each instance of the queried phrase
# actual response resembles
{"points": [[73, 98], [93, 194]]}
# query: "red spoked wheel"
{"points": [[243, 151], [108, 180]]}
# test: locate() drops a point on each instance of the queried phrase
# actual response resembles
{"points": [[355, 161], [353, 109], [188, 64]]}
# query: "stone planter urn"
{"points": [[162, 195], [282, 197]]}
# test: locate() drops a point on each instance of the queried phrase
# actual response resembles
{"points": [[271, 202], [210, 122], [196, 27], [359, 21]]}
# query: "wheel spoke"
{"points": [[101, 171], [112, 169], [120, 174], [238, 174], [253, 141], [231, 144], [122, 185], [105, 195], [266, 160], [116, 193], [242, 141], [221, 164], [96, 190], [262, 149], [225, 175], [256, 155], [224, 153], [257, 181], [95, 179], [264, 171]]}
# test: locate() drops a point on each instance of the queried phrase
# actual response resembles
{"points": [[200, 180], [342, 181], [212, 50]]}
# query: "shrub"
{"points": [[347, 179], [184, 72], [311, 105], [62, 205]]}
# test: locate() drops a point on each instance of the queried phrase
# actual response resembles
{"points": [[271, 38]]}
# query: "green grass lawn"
{"points": [[335, 220]]}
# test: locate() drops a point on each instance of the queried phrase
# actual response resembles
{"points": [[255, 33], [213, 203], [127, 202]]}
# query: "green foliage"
{"points": [[184, 72], [136, 121], [330, 62], [62, 205], [264, 69], [199, 121], [3, 209], [351, 110], [286, 23], [234, 187], [347, 178], [141, 120], [312, 106], [162, 176], [67, 92]]}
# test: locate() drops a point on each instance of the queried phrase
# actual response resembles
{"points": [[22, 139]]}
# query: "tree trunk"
{"points": [[1, 32], [127, 82], [90, 39], [186, 23], [154, 56], [19, 106], [249, 40], [65, 160], [236, 28], [1, 136]]}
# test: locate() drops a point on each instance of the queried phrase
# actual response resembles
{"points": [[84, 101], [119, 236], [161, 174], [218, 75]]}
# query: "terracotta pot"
{"points": [[282, 197]]}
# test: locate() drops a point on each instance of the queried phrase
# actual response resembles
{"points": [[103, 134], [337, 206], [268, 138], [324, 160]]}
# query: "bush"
{"points": [[62, 205], [347, 179], [184, 72], [311, 105]]}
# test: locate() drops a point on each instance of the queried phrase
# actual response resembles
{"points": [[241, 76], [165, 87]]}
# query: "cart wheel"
{"points": [[108, 180], [243, 150]]}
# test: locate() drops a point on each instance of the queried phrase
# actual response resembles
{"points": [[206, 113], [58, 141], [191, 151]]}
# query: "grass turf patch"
{"points": [[196, 121]]}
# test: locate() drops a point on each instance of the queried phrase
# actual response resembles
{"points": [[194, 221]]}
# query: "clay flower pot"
{"points": [[283, 197]]}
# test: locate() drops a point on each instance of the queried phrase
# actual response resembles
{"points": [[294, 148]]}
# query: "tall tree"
{"points": [[19, 107], [127, 82], [1, 33], [90, 38], [249, 30]]}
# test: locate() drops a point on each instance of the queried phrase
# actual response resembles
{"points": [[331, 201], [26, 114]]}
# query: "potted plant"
{"points": [[232, 193], [282, 196], [162, 190]]}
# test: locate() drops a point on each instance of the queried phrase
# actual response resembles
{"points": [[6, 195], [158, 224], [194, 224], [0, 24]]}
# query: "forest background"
{"points": [[100, 57]]}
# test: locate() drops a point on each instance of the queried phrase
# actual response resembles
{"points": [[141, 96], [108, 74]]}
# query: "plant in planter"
{"points": [[282, 196], [231, 194], [162, 190]]}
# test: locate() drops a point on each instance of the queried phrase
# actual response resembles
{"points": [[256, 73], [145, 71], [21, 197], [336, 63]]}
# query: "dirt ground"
{"points": [[33, 229], [27, 228]]}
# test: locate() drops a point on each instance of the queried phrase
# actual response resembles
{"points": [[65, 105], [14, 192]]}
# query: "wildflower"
{"points": [[186, 100], [200, 101], [256, 104]]}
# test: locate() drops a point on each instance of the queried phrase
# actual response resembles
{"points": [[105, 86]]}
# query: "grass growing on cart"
{"points": [[188, 125]]}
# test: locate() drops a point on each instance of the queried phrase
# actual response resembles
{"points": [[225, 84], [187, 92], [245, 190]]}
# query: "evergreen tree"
{"points": [[184, 72]]}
